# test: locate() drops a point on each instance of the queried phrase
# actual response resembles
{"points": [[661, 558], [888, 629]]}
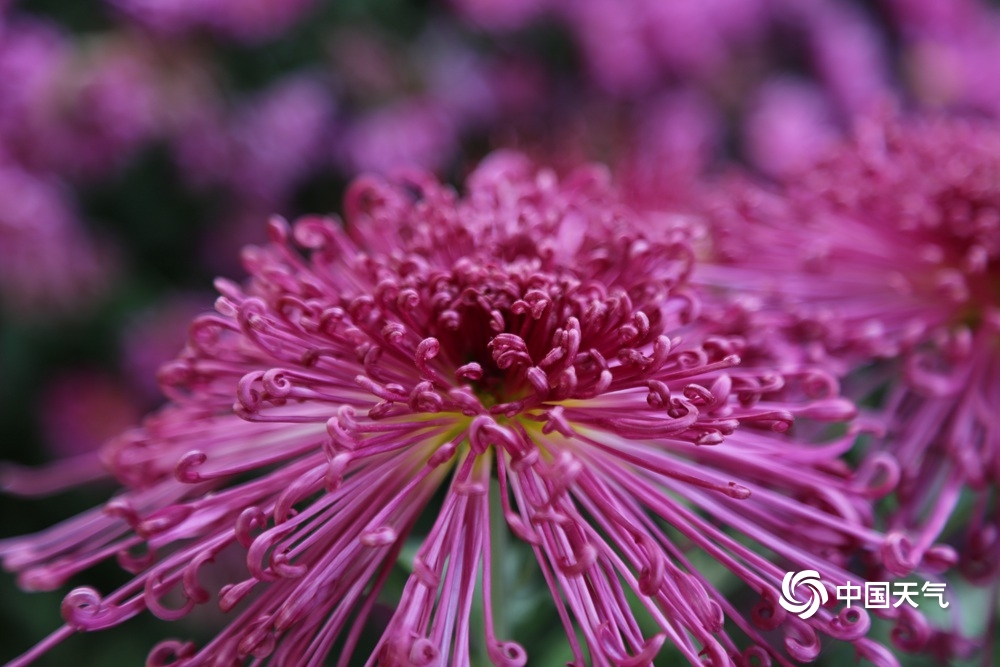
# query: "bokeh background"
{"points": [[144, 142]]}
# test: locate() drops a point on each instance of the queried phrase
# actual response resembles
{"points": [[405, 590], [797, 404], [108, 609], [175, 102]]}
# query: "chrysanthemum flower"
{"points": [[629, 52], [790, 124], [72, 110], [47, 262], [948, 51], [527, 346], [890, 247]]}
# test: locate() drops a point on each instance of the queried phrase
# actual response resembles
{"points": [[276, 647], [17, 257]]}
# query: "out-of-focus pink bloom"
{"points": [[165, 16], [848, 53], [262, 149], [957, 75], [670, 143], [529, 335], [459, 80], [254, 20], [502, 14], [32, 55], [46, 261], [79, 410], [413, 133], [631, 47], [82, 409], [104, 110], [243, 20], [237, 227], [200, 143], [520, 86], [615, 50], [279, 138], [453, 92], [890, 247], [73, 110], [789, 125], [950, 51], [254, 154], [154, 337], [939, 17], [696, 39], [366, 62]]}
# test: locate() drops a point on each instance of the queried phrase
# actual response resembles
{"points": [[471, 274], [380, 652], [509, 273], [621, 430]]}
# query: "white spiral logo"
{"points": [[817, 596]]}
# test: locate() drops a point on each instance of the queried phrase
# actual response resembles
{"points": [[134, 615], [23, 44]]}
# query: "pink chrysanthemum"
{"points": [[47, 263], [71, 110], [890, 247], [949, 51], [526, 346], [629, 52]]}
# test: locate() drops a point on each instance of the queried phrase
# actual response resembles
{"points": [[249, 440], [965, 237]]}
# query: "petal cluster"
{"points": [[888, 248], [440, 370]]}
